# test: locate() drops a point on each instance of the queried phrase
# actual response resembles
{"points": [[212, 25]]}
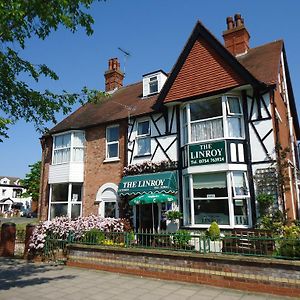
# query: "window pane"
{"points": [[78, 139], [58, 210], [234, 105], [143, 128], [113, 150], [210, 185], [207, 211], [78, 154], [240, 212], [144, 146], [153, 85], [76, 192], [60, 192], [61, 156], [184, 116], [206, 109], [112, 134], [110, 209], [63, 140], [239, 184], [234, 127], [75, 211], [207, 130]]}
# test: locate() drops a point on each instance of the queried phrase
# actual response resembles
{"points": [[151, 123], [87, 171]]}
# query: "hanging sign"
{"points": [[207, 153]]}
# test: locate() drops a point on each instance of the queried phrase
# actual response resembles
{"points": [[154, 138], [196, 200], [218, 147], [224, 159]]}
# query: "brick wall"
{"points": [[98, 172], [254, 274]]}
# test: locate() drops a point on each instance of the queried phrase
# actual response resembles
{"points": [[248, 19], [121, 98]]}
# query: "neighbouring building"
{"points": [[214, 132], [11, 198]]}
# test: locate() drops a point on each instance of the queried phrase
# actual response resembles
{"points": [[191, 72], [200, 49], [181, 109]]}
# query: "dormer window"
{"points": [[153, 82], [153, 85]]}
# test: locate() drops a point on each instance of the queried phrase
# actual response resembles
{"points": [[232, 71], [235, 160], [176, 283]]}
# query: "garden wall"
{"points": [[281, 277]]}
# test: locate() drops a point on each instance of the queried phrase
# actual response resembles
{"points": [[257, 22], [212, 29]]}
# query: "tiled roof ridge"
{"points": [[260, 46]]}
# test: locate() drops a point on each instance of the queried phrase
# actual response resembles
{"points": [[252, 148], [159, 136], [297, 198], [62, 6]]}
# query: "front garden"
{"points": [[51, 237]]}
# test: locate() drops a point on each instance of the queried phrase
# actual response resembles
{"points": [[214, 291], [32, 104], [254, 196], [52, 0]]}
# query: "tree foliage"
{"points": [[32, 181], [21, 20]]}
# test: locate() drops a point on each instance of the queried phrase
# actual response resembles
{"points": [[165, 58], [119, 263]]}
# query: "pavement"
{"points": [[22, 280]]}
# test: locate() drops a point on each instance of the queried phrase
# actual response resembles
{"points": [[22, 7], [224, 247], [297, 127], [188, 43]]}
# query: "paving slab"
{"points": [[22, 280]]}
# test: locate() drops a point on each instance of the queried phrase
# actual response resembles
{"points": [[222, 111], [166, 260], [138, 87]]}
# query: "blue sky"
{"points": [[154, 32]]}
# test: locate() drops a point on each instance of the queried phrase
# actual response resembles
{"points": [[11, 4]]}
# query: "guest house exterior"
{"points": [[210, 133]]}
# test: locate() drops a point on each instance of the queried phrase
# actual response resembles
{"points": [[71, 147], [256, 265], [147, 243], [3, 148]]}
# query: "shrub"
{"points": [[64, 228], [289, 246], [213, 231], [265, 202], [173, 215], [94, 236], [182, 238]]}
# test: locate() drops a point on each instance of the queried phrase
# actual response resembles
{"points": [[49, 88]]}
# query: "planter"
{"points": [[172, 227]]}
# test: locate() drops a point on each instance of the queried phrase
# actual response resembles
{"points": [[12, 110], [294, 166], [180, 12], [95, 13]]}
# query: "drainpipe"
{"points": [[290, 122]]}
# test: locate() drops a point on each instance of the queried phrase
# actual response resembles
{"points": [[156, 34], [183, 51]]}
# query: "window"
{"points": [[66, 200], [153, 85], [17, 193], [234, 117], [68, 147], [3, 192], [222, 197], [108, 201], [208, 119], [210, 198], [112, 142], [143, 138]]}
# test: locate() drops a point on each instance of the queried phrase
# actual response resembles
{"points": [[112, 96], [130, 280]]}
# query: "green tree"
{"points": [[21, 20], [32, 181]]}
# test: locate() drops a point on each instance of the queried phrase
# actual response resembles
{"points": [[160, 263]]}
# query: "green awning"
{"points": [[152, 198], [161, 182]]}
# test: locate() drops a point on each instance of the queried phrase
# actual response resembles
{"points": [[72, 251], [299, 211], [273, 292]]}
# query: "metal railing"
{"points": [[239, 244]]}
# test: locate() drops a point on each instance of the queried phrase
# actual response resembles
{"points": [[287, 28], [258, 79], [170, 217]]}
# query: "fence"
{"points": [[240, 243]]}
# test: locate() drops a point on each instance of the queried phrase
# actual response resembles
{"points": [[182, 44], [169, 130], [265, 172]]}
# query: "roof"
{"points": [[11, 179], [263, 61], [127, 100], [259, 67]]}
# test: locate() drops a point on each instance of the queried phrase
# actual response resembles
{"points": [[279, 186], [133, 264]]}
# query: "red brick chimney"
{"points": [[236, 37], [113, 76]]}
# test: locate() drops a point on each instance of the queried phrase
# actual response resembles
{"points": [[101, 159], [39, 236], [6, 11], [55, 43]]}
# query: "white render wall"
{"points": [[262, 127], [164, 144]]}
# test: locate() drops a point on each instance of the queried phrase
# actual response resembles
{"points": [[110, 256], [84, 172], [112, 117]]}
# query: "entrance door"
{"points": [[144, 218]]}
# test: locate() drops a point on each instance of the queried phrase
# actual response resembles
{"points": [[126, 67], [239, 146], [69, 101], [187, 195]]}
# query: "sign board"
{"points": [[207, 153]]}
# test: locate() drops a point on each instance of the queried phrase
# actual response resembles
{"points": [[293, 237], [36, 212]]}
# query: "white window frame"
{"points": [[143, 136], [111, 143], [226, 114], [153, 79], [69, 201], [230, 198], [101, 200], [72, 146]]}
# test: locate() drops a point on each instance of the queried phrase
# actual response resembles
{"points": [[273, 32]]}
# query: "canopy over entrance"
{"points": [[152, 198], [162, 182]]}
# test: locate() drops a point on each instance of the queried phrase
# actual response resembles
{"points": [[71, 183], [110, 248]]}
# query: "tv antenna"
{"points": [[126, 55]]}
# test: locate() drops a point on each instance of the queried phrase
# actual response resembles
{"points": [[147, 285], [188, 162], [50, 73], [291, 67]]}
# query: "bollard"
{"points": [[29, 231], [8, 239]]}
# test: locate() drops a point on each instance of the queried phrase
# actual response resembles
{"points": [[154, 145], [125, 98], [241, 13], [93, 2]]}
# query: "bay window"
{"points": [[68, 147], [214, 118], [65, 200], [143, 138], [112, 142], [220, 196]]}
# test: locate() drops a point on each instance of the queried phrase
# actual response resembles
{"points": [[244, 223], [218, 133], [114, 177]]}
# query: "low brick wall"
{"points": [[274, 276]]}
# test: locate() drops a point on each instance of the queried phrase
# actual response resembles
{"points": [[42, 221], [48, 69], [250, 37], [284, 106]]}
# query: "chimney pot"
{"points": [[230, 23], [238, 20]]}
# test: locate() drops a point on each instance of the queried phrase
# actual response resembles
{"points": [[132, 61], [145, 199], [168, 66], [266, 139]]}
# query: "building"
{"points": [[211, 132], [11, 195]]}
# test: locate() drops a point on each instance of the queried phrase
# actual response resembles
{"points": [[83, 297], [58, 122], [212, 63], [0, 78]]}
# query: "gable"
{"points": [[203, 71]]}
